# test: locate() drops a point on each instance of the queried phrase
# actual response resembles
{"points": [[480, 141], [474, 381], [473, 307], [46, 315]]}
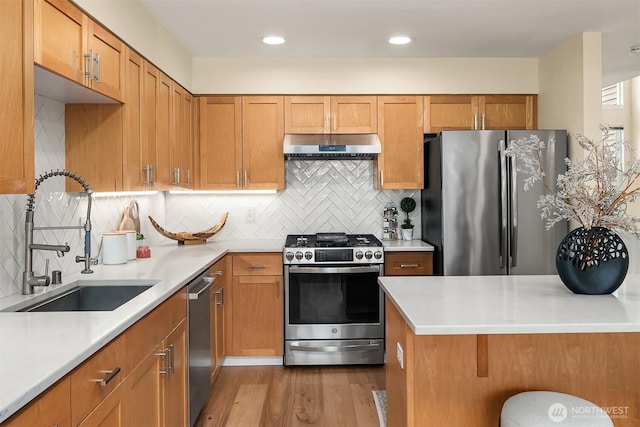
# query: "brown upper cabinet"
{"points": [[330, 114], [16, 87], [460, 112], [241, 143], [70, 44], [400, 164]]}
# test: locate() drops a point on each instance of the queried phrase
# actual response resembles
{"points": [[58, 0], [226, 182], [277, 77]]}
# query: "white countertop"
{"points": [[437, 305], [406, 245], [37, 349]]}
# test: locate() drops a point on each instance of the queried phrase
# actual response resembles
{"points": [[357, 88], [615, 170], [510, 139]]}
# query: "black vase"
{"points": [[592, 261]]}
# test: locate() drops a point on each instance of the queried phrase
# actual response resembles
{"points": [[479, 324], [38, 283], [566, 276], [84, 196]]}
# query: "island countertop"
{"points": [[456, 305]]}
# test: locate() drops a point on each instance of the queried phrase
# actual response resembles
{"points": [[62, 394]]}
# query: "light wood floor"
{"points": [[279, 396]]}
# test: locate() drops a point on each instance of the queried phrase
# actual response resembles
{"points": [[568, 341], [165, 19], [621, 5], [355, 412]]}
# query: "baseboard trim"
{"points": [[253, 361]]}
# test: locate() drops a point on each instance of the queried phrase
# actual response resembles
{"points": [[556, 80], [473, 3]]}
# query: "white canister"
{"points": [[114, 248], [132, 244]]}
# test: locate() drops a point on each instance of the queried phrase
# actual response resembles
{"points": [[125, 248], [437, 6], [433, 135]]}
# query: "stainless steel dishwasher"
{"points": [[199, 323]]}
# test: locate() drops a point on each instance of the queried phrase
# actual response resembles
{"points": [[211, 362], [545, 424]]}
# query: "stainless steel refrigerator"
{"points": [[475, 211]]}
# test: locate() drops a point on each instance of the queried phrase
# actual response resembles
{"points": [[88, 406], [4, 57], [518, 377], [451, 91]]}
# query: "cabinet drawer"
{"points": [[408, 263], [96, 378], [257, 264]]}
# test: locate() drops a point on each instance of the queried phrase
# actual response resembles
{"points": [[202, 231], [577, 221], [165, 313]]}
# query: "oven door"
{"points": [[333, 302]]}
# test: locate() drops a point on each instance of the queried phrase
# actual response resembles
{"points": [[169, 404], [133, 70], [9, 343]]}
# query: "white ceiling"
{"points": [[440, 28]]}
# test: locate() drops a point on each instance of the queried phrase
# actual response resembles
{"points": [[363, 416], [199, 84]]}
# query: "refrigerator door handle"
{"points": [[503, 202], [514, 212]]}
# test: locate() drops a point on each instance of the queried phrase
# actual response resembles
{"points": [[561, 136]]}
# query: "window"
{"points": [[615, 136], [612, 95]]}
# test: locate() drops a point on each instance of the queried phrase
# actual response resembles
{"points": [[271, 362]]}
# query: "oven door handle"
{"points": [[335, 348], [330, 270]]}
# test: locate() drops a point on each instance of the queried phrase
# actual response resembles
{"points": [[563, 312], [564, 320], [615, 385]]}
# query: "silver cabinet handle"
{"points": [[246, 179], [221, 293], [237, 179], [475, 121], [218, 273], [381, 178], [89, 58], [188, 178], [172, 361], [482, 121], [254, 266], [96, 76], [164, 354], [148, 170], [176, 176], [334, 119], [110, 376], [409, 266]]}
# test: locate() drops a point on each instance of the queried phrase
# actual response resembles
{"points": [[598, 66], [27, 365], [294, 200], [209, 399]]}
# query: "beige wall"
{"points": [[139, 29], [364, 75], [570, 87]]}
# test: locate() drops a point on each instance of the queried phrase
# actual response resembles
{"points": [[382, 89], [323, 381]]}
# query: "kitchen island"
{"points": [[458, 347]]}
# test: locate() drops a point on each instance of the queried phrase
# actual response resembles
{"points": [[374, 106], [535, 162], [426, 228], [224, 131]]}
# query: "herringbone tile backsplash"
{"points": [[319, 196]]}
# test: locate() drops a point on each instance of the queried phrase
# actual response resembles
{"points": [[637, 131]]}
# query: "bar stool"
{"points": [[551, 409]]}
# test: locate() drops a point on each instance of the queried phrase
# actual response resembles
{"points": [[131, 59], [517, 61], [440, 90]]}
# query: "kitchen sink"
{"points": [[92, 296]]}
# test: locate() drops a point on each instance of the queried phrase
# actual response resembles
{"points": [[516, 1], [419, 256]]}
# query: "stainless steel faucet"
{"points": [[29, 279]]}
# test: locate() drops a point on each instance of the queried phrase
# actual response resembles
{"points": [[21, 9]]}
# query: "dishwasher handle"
{"points": [[195, 293]]}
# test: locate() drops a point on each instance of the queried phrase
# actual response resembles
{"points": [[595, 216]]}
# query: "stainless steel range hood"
{"points": [[332, 146]]}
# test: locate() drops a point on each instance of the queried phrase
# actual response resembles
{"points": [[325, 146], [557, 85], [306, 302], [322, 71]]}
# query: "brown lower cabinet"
{"points": [[145, 375], [408, 263], [254, 306]]}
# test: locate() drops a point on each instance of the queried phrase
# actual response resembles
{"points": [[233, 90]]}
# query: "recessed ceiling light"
{"points": [[400, 40], [273, 40], [634, 50]]}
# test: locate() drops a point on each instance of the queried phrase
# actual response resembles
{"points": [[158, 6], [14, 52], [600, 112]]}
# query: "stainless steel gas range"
{"points": [[334, 308]]}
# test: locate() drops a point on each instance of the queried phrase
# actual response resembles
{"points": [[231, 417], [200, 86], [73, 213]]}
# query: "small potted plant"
{"points": [[407, 205]]}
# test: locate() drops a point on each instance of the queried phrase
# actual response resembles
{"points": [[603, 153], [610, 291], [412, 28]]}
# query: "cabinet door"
{"points": [[163, 133], [354, 114], [220, 143], [60, 35], [221, 271], [93, 145], [262, 136], [150, 83], [144, 400], [450, 112], [186, 144], [52, 408], [132, 163], [507, 111], [257, 316], [109, 62], [175, 382], [307, 114], [110, 411], [16, 86], [401, 164], [175, 143]]}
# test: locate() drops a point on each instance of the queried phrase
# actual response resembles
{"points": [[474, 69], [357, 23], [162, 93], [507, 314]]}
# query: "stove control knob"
{"points": [[377, 254], [298, 255], [368, 254], [308, 255], [359, 255], [289, 256]]}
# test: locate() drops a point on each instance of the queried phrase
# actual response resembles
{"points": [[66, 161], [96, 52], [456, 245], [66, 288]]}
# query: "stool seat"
{"points": [[551, 409]]}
